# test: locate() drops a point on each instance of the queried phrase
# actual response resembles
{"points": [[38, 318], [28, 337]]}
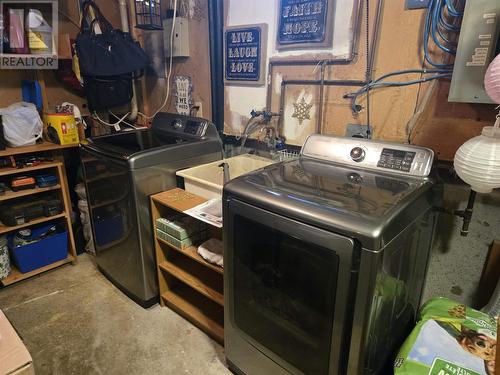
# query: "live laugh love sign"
{"points": [[300, 24], [245, 50]]}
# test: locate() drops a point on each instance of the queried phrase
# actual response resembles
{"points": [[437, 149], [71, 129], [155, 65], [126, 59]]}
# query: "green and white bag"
{"points": [[449, 339], [4, 258]]}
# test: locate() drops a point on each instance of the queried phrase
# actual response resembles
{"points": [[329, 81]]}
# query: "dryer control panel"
{"points": [[368, 154]]}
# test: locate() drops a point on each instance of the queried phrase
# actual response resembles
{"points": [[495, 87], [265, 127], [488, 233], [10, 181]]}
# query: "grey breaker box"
{"points": [[477, 47]]}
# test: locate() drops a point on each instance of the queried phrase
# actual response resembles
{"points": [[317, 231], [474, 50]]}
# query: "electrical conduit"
{"points": [[134, 110]]}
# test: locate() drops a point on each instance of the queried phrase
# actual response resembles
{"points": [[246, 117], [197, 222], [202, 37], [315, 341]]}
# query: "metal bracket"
{"points": [[356, 130]]}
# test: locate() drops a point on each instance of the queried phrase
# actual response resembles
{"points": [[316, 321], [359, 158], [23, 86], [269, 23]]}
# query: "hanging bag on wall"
{"points": [[112, 52], [109, 60], [107, 92]]}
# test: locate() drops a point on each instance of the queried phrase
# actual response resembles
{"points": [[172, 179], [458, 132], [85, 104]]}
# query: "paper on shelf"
{"points": [[209, 212]]}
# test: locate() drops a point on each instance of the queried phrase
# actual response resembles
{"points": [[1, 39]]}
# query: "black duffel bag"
{"points": [[107, 92], [111, 53]]}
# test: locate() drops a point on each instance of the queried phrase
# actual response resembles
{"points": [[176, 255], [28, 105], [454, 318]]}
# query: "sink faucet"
{"points": [[225, 168], [260, 122]]}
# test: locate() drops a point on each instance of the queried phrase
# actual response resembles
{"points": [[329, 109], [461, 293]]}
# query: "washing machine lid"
{"points": [[168, 131], [129, 143], [369, 206]]}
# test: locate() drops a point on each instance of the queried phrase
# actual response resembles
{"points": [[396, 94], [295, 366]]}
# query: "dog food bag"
{"points": [[449, 339]]}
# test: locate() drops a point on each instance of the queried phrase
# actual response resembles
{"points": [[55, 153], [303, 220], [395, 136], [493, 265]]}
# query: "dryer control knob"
{"points": [[177, 124], [358, 154]]}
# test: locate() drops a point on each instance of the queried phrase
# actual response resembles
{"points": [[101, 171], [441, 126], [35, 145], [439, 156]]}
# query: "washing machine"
{"points": [[121, 172], [325, 257]]}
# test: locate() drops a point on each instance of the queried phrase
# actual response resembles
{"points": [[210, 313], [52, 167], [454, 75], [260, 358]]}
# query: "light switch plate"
{"points": [[417, 4]]}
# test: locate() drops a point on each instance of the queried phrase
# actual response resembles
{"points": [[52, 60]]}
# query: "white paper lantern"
{"points": [[477, 161], [492, 80]]}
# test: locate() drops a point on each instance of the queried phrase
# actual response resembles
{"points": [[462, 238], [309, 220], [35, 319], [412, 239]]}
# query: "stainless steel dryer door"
{"points": [[287, 291]]}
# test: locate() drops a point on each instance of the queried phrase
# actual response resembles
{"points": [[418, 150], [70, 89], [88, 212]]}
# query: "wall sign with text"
{"points": [[245, 50], [304, 23], [183, 94]]}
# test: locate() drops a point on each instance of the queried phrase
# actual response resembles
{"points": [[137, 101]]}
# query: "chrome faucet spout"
{"points": [[260, 122]]}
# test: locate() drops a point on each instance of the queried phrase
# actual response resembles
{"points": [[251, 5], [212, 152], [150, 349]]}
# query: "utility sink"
{"points": [[207, 180]]}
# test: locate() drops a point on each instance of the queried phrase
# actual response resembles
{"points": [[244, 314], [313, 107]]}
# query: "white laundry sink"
{"points": [[207, 180]]}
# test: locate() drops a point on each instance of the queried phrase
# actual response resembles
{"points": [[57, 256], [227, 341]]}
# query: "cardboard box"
{"points": [[14, 357]]}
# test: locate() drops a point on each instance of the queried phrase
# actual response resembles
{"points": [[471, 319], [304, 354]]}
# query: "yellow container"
{"points": [[61, 128]]}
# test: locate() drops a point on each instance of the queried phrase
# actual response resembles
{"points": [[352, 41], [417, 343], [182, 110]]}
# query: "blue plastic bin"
{"points": [[42, 253]]}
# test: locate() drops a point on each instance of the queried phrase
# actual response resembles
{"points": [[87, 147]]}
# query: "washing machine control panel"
{"points": [[195, 128], [400, 160], [368, 154], [190, 127]]}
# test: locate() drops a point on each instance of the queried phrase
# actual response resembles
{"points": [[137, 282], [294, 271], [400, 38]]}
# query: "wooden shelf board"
{"points": [[39, 147], [190, 304], [21, 193], [8, 171], [192, 252], [16, 275], [6, 229], [178, 199], [195, 280]]}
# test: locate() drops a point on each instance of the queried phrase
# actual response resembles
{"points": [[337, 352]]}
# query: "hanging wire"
{"points": [[452, 10], [377, 84], [170, 61], [446, 47], [368, 71], [435, 27]]}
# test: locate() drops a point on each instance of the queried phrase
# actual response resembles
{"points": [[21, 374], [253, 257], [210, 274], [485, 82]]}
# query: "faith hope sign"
{"points": [[244, 54], [304, 23]]}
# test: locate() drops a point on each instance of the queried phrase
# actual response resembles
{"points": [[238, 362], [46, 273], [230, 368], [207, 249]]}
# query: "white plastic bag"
{"points": [[83, 206], [22, 124]]}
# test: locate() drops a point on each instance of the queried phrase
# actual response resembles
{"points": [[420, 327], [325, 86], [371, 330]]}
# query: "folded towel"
{"points": [[212, 251]]}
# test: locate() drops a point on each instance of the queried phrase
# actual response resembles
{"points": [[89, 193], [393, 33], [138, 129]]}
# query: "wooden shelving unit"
{"points": [[39, 147], [186, 302], [16, 275], [22, 193], [188, 284], [10, 171], [204, 281], [192, 253], [61, 189], [44, 219]]}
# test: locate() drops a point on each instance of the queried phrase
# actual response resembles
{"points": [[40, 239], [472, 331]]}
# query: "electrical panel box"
{"points": [[477, 46], [180, 45]]}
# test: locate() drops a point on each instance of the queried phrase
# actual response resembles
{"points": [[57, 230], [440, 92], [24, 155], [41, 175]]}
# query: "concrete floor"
{"points": [[456, 262], [73, 321]]}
